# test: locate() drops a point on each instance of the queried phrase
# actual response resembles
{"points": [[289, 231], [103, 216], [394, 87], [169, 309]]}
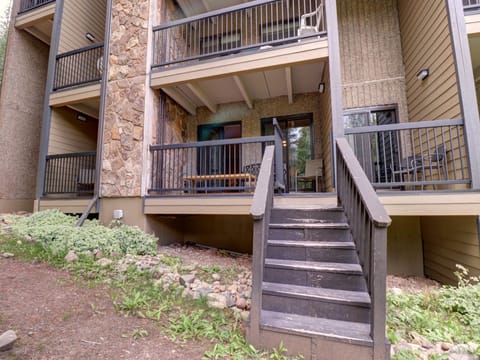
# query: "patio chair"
{"points": [[313, 172], [438, 161], [409, 166], [309, 29]]}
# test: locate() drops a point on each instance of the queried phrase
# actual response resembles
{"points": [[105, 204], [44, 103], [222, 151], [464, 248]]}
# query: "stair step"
{"points": [[347, 331], [310, 231], [313, 244], [315, 265], [317, 302], [325, 225], [357, 298], [325, 214], [341, 276], [310, 250]]}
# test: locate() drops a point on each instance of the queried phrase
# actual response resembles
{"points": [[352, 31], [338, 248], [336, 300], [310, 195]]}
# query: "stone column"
{"points": [[125, 101]]}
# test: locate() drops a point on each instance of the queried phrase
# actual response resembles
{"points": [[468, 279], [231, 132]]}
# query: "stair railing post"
{"points": [[260, 211], [280, 178], [378, 291]]}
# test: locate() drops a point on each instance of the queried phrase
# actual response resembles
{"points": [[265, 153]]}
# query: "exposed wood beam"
{"points": [[85, 109], [39, 35], [181, 100], [288, 78], [203, 97], [243, 90]]}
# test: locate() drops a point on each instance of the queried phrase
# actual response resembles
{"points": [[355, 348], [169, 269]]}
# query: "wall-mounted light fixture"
{"points": [[423, 74], [90, 37], [81, 117], [321, 88]]}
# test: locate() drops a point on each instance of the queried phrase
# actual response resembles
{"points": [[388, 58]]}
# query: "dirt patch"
{"points": [[412, 284], [56, 318], [196, 255]]}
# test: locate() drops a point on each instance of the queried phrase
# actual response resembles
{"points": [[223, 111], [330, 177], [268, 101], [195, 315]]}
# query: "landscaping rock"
{"points": [[7, 255], [186, 279], [7, 339], [241, 303], [99, 254], [420, 340], [445, 346], [71, 257], [103, 262], [216, 277], [218, 301]]}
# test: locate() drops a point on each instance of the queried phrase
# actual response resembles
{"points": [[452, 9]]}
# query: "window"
{"points": [[222, 42], [376, 152], [279, 30]]}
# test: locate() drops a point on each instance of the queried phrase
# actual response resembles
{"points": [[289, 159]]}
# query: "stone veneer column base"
{"points": [[165, 228]]}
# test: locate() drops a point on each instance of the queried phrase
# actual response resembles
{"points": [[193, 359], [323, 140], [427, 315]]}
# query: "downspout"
{"points": [[101, 118]]}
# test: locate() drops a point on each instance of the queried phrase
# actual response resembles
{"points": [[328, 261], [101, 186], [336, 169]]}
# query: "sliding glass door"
{"points": [[297, 146]]}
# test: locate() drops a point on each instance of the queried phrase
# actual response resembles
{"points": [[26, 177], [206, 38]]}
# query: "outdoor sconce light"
{"points": [[423, 74], [321, 88], [90, 37], [81, 117]]}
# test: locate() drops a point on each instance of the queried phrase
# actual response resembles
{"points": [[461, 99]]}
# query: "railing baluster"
{"points": [[226, 31], [419, 154], [79, 67]]}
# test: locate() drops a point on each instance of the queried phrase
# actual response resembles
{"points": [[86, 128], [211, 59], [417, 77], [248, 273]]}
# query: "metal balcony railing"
{"points": [[471, 5], [255, 25], [27, 5], [217, 166], [72, 173], [79, 67], [414, 156]]}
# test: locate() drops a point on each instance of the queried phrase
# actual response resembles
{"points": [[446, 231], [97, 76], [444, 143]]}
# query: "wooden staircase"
{"points": [[314, 294], [319, 273]]}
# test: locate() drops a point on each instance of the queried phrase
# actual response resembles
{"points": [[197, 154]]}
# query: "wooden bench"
{"points": [[232, 179]]}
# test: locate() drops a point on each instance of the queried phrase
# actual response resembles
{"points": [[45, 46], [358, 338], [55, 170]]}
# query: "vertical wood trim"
{"points": [[335, 77], [47, 111], [466, 86]]}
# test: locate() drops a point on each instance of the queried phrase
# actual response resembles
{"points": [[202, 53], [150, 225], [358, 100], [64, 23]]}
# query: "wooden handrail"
{"points": [[260, 210], [375, 209], [368, 221]]}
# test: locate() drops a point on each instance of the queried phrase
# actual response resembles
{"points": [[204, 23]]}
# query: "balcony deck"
{"points": [[472, 16], [36, 17], [223, 56], [452, 203]]}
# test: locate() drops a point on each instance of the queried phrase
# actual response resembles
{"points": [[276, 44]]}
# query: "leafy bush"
{"points": [[57, 231], [450, 314]]}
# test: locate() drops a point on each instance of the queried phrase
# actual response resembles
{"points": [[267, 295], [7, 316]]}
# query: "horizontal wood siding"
{"points": [[371, 53], [426, 43], [69, 135], [448, 241], [80, 17]]}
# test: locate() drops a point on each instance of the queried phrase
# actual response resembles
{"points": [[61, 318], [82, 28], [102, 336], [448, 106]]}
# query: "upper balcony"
{"points": [[237, 45], [472, 15], [36, 17]]}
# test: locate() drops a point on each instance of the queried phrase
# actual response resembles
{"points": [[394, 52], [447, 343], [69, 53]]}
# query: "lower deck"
{"points": [[403, 203]]}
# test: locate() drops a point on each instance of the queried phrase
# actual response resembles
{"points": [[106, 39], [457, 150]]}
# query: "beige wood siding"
{"points": [[371, 54], [426, 43], [69, 135], [448, 241], [80, 17], [404, 247]]}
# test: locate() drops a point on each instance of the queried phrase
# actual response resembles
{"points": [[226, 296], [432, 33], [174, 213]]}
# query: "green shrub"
{"points": [[57, 231], [450, 314]]}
